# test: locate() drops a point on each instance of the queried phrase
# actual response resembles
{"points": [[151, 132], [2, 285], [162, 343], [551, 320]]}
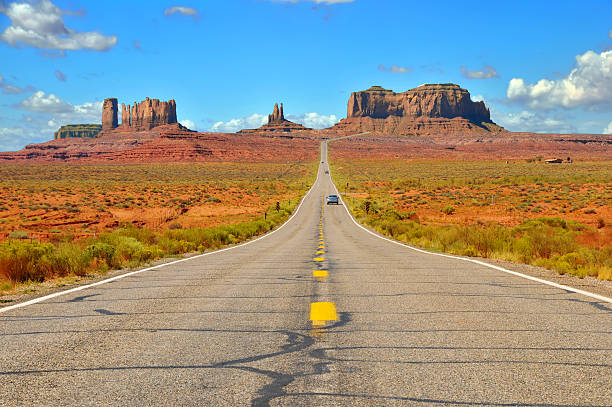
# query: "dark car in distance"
{"points": [[333, 199]]}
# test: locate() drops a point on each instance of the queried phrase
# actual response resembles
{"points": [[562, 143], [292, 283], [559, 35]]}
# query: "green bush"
{"points": [[449, 210]]}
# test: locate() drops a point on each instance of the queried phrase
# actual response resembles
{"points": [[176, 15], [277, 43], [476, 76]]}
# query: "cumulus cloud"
{"points": [[478, 98], [60, 75], [186, 11], [188, 123], [40, 102], [13, 139], [60, 110], [535, 122], [394, 69], [41, 25], [608, 130], [250, 122], [314, 120], [588, 85], [487, 72]]}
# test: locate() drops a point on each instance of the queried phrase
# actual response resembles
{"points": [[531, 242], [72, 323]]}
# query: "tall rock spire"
{"points": [[109, 114], [277, 115]]}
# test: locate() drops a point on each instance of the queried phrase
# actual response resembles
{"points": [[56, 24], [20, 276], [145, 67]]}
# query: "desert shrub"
{"points": [[18, 235], [448, 210], [104, 252], [34, 261]]}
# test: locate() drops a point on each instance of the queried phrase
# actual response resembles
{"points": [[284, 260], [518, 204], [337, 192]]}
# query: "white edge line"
{"points": [[539, 280], [109, 280]]}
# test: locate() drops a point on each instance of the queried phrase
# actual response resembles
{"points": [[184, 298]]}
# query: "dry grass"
{"points": [[547, 215]]}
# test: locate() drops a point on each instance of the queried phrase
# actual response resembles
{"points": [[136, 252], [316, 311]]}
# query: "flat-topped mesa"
{"points": [[109, 114], [77, 131], [429, 109], [445, 100]]}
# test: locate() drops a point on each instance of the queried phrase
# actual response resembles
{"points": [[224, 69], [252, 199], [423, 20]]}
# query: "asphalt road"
{"points": [[234, 328]]}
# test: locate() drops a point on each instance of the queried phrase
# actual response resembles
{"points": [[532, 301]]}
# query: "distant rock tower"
{"points": [[277, 115], [109, 114]]}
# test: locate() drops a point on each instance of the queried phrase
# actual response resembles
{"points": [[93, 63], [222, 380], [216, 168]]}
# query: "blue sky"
{"points": [[541, 66]]}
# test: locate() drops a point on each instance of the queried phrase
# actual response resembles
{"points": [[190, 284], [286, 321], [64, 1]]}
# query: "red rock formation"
{"points": [[428, 109], [109, 114], [125, 116], [151, 113], [277, 115], [168, 143], [277, 123]]}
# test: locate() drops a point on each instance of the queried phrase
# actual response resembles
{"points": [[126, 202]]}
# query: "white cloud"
{"points": [[188, 123], [589, 85], [186, 11], [487, 72], [88, 112], [41, 25], [314, 120], [62, 112], [40, 102], [478, 98], [534, 122], [394, 69], [14, 139], [608, 130], [250, 122]]}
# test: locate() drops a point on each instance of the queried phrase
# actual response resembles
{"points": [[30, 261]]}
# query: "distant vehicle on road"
{"points": [[327, 172], [333, 199]]}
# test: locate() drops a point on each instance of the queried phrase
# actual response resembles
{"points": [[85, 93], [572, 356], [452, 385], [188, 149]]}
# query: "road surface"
{"points": [[254, 326]]}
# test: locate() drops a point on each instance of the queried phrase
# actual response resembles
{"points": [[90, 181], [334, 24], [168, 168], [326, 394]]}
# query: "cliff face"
{"points": [[142, 116], [152, 113], [428, 108], [109, 114], [78, 131], [442, 100]]}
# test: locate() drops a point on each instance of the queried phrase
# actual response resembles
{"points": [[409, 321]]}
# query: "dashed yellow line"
{"points": [[320, 273], [321, 312]]}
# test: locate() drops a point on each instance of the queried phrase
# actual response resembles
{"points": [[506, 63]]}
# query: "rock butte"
{"points": [[428, 109], [143, 116], [277, 124]]}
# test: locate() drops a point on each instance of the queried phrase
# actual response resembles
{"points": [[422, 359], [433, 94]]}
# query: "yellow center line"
{"points": [[320, 273], [319, 259], [321, 312]]}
